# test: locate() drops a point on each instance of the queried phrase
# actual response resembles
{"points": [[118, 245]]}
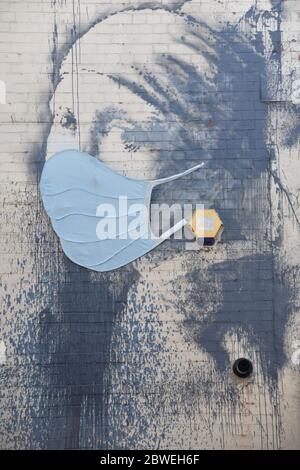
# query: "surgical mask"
{"points": [[83, 197]]}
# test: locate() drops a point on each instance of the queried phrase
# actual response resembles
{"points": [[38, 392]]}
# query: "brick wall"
{"points": [[141, 357]]}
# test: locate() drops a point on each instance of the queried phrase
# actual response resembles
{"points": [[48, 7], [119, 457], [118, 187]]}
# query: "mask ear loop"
{"points": [[179, 225], [175, 177]]}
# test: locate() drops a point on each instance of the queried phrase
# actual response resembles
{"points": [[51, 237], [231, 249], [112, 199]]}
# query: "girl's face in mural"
{"points": [[152, 109], [155, 108]]}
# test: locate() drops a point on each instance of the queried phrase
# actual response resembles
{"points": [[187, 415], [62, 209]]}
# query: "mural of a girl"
{"points": [[168, 95]]}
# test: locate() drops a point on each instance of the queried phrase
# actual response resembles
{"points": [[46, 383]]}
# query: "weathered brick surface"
{"points": [[141, 357]]}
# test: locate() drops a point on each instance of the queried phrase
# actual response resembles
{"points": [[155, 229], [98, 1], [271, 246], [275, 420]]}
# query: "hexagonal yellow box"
{"points": [[206, 224]]}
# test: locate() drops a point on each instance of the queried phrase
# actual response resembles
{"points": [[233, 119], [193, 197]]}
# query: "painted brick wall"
{"points": [[141, 357]]}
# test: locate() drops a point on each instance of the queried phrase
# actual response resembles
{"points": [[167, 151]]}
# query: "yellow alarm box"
{"points": [[207, 226]]}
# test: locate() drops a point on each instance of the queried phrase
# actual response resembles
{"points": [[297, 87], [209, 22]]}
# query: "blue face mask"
{"points": [[101, 217]]}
